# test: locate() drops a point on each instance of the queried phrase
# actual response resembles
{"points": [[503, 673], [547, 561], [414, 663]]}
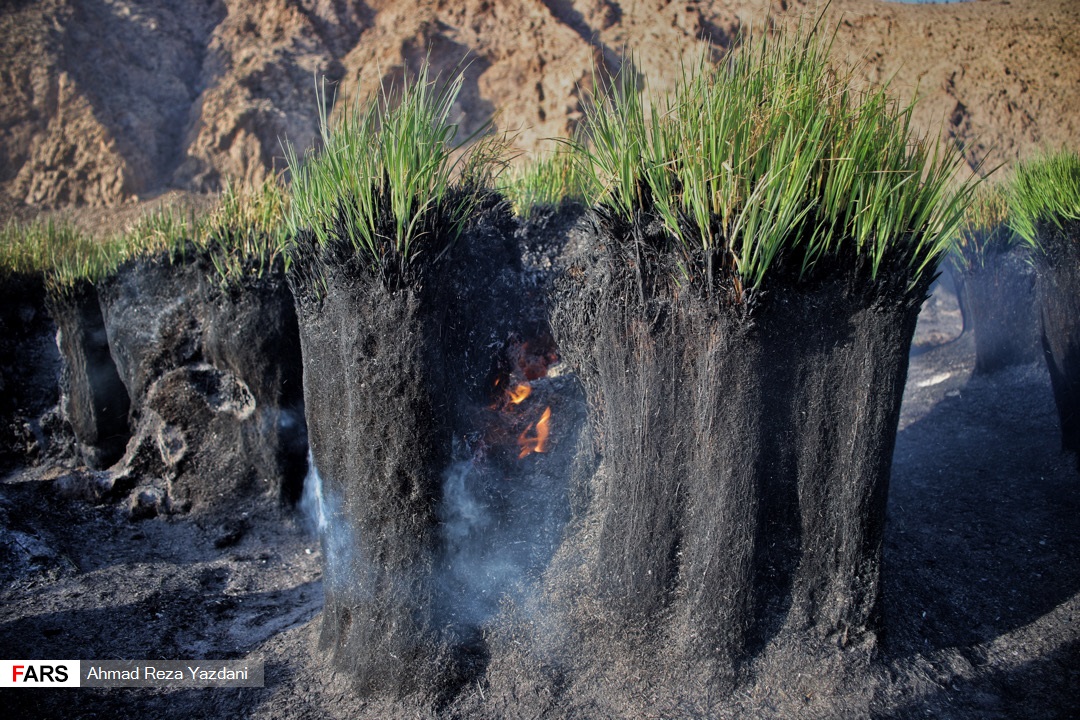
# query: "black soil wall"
{"points": [[745, 459], [151, 309], [251, 331], [998, 303], [1059, 304], [392, 377], [95, 401], [29, 367]]}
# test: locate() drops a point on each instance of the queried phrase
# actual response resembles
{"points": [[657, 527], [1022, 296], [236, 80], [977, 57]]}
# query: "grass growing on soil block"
{"points": [[243, 235], [385, 185], [1045, 191], [393, 313], [28, 248], [246, 235], [984, 231], [771, 163], [1044, 204], [90, 260], [995, 280], [198, 305], [765, 237]]}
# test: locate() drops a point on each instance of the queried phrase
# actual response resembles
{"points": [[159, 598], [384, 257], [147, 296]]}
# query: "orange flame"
{"points": [[518, 394], [538, 441]]}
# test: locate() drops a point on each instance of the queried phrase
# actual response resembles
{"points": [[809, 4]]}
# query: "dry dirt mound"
{"points": [[109, 100]]}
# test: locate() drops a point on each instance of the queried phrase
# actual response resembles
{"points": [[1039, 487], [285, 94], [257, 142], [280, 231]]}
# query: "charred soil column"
{"points": [[379, 437], [842, 350], [627, 358], [375, 213], [669, 534], [999, 305], [745, 454], [1059, 305], [30, 366], [250, 330]]}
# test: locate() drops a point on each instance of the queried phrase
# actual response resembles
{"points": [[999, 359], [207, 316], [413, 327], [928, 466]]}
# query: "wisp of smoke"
{"points": [[323, 512], [499, 527], [311, 502]]}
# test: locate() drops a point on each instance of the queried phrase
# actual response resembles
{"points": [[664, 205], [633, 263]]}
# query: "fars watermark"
{"points": [[39, 673], [131, 673]]}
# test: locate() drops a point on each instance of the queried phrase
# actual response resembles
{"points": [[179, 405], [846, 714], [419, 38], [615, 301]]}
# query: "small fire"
{"points": [[514, 385], [518, 394], [537, 442]]}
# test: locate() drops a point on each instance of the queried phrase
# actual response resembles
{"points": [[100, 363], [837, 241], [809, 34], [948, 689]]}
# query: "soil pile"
{"points": [[106, 102]]}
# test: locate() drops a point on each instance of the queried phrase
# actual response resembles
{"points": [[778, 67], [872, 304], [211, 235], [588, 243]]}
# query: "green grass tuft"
{"points": [[32, 247], [387, 181], [57, 250], [245, 234], [769, 156], [166, 230], [545, 181], [984, 231], [1045, 191]]}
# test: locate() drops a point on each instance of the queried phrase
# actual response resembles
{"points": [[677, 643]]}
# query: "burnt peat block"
{"points": [[250, 332], [29, 366], [998, 303], [393, 371], [379, 434], [214, 377], [1058, 265], [743, 451]]}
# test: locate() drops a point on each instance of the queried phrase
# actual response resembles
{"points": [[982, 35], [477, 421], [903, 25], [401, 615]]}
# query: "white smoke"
{"points": [[499, 526], [323, 512], [311, 502]]}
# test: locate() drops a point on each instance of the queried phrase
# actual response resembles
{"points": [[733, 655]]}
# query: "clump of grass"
{"points": [[89, 260], [386, 181], [58, 251], [164, 230], [27, 248], [1045, 191], [544, 181], [617, 146], [771, 158], [245, 234], [984, 231]]}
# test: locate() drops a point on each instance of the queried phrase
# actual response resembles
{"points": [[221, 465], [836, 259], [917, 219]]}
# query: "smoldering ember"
{"points": [[756, 394]]}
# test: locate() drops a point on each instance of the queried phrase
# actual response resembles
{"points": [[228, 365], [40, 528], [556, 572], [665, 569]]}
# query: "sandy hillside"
{"points": [[106, 101]]}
